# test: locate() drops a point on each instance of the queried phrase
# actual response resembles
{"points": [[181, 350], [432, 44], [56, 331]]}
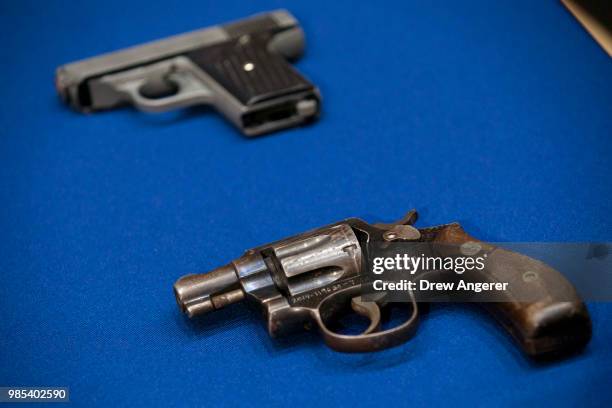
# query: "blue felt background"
{"points": [[496, 114]]}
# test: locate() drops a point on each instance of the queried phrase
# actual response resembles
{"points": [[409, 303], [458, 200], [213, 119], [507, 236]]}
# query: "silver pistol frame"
{"points": [[246, 77]]}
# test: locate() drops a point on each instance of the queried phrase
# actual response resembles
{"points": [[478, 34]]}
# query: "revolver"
{"points": [[313, 279], [240, 68]]}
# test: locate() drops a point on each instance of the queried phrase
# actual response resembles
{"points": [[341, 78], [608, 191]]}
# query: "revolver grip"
{"points": [[540, 309]]}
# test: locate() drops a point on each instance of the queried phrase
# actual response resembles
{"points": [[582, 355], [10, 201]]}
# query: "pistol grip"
{"points": [[540, 309], [250, 73]]}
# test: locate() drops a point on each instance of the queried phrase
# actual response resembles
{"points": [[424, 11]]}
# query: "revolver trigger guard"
{"points": [[372, 339]]}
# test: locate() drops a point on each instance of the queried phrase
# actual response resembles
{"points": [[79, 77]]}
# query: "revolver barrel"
{"points": [[205, 292]]}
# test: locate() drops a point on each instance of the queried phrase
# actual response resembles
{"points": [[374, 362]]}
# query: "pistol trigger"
{"points": [[369, 310], [186, 81]]}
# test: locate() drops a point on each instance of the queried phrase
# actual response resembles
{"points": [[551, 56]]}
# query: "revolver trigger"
{"points": [[369, 310], [375, 337]]}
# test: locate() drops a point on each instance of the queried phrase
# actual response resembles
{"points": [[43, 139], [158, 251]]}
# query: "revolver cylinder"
{"points": [[281, 270]]}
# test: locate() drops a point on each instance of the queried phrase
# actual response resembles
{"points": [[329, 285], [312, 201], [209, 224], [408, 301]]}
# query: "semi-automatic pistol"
{"points": [[313, 279], [240, 68]]}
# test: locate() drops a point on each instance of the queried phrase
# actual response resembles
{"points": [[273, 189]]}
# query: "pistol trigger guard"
{"points": [[189, 93], [178, 71]]}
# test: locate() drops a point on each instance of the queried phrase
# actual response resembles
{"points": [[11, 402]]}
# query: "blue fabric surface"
{"points": [[494, 114]]}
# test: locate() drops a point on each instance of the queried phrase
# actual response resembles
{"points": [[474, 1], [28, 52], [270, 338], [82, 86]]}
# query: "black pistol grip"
{"points": [[257, 76], [540, 309]]}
